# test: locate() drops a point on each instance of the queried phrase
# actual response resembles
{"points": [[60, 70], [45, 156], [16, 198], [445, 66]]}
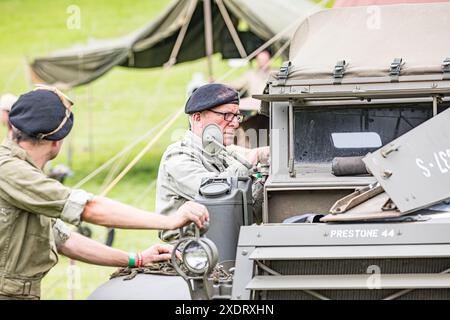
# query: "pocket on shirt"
{"points": [[8, 216], [37, 257]]}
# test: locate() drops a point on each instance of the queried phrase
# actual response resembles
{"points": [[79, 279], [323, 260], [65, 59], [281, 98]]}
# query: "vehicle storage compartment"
{"points": [[285, 204]]}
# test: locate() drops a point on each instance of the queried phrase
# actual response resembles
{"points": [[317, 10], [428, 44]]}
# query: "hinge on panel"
{"points": [[446, 69], [284, 72], [339, 70], [394, 70]]}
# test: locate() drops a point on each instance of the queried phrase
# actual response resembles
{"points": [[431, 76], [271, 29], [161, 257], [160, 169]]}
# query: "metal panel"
{"points": [[365, 103], [364, 281], [382, 81], [316, 181], [243, 273], [328, 234], [279, 138], [430, 265], [291, 141], [360, 294], [358, 266], [400, 90], [419, 159], [278, 145], [350, 252]]}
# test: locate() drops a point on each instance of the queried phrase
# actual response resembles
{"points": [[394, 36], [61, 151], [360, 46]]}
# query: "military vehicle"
{"points": [[355, 199]]}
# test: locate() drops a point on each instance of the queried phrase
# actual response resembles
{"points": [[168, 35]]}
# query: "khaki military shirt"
{"points": [[183, 167], [31, 205]]}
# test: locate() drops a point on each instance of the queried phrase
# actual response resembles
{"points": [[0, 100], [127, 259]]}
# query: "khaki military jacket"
{"points": [[183, 167], [31, 205]]}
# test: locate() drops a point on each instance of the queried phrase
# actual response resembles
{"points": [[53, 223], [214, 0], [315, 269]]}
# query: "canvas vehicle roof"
{"points": [[370, 38]]}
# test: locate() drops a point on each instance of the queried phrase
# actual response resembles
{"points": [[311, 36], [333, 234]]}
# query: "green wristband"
{"points": [[132, 259]]}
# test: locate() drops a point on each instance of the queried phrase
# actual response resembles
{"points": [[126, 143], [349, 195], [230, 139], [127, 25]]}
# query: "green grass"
{"points": [[110, 113]]}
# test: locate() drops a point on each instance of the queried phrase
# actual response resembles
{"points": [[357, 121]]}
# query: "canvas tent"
{"points": [[177, 35]]}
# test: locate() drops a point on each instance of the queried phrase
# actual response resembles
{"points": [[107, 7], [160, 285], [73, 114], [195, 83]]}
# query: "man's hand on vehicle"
{"points": [[157, 253], [259, 155], [190, 212]]}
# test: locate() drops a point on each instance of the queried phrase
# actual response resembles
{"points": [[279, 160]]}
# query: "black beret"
{"points": [[40, 112], [209, 96]]}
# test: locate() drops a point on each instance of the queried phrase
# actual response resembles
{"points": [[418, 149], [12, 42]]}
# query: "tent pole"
{"points": [[170, 122], [176, 48], [231, 29], [208, 36], [143, 152], [90, 124]]}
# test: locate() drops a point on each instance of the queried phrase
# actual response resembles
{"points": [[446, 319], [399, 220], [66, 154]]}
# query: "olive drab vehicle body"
{"points": [[355, 198], [373, 85]]}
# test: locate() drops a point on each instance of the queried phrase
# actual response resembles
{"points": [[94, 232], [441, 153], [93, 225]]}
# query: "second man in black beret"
{"points": [[185, 164]]}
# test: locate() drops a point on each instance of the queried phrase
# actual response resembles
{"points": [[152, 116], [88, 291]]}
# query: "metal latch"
{"points": [[389, 149], [284, 72], [446, 68], [339, 70], [395, 68]]}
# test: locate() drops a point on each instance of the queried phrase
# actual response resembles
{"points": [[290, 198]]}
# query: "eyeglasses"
{"points": [[66, 101], [229, 116]]}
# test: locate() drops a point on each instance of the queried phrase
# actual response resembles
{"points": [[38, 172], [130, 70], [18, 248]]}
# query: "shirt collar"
{"points": [[192, 139], [18, 152]]}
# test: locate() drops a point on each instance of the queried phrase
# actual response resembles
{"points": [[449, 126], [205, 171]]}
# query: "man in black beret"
{"points": [[185, 164], [33, 206], [214, 103]]}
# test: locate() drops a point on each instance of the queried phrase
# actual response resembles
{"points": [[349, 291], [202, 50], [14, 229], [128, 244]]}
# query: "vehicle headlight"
{"points": [[199, 256], [195, 257]]}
